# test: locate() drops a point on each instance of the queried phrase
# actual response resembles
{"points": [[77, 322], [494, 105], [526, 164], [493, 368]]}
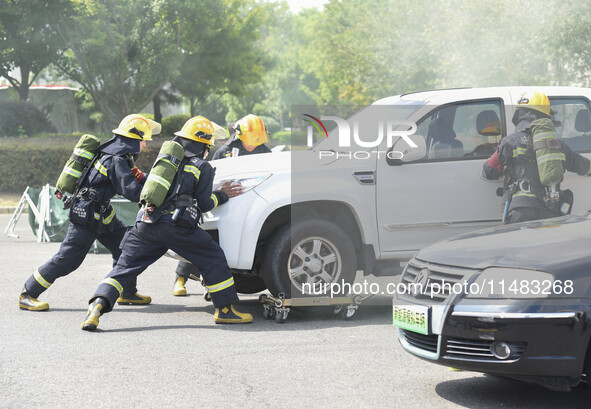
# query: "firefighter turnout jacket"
{"points": [[226, 151], [111, 174], [174, 226], [516, 152], [92, 217], [185, 269]]}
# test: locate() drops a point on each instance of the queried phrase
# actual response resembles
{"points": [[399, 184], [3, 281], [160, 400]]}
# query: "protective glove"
{"points": [[137, 173], [494, 162]]}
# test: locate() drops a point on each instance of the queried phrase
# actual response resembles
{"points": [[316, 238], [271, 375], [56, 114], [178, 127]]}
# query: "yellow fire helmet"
{"points": [[251, 130], [535, 100], [199, 129], [137, 126]]}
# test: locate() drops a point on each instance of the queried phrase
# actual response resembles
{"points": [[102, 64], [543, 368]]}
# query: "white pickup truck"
{"points": [[313, 217]]}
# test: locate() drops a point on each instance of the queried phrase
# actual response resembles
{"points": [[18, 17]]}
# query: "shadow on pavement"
{"points": [[156, 308], [297, 319], [156, 327], [81, 310], [493, 392]]}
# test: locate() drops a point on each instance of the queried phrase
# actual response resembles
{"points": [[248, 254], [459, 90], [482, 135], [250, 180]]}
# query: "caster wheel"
{"points": [[348, 313], [337, 310], [207, 297], [269, 313], [281, 317]]}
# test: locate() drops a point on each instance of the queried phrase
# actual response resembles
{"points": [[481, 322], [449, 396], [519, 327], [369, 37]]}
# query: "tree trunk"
{"points": [[157, 111], [192, 107], [23, 88]]}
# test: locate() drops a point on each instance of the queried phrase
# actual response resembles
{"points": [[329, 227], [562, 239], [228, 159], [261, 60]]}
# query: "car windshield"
{"points": [[368, 120]]}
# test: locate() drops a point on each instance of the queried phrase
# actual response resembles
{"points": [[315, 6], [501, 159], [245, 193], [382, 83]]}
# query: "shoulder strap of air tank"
{"points": [[175, 188], [68, 202]]}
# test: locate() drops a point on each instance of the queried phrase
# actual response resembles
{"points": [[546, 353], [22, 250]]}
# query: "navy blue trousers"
{"points": [[184, 269], [524, 214], [72, 253], [145, 243]]}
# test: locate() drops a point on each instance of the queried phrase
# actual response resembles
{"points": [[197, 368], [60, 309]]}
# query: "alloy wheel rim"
{"points": [[314, 260]]}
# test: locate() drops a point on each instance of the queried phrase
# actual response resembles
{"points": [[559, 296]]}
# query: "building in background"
{"points": [[58, 101]]}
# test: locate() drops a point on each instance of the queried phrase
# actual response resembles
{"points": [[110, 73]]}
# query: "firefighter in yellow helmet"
{"points": [[518, 157], [250, 138], [174, 225], [92, 217]]}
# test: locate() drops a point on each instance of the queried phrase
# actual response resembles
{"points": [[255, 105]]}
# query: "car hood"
{"points": [[275, 162], [549, 245]]}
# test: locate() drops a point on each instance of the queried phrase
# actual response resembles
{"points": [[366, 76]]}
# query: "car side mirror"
{"points": [[402, 152]]}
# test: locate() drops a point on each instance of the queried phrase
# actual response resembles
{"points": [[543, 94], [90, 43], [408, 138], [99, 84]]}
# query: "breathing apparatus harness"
{"points": [[516, 181], [176, 204]]}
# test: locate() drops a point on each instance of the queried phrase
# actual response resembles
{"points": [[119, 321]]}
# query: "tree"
{"points": [[361, 51], [123, 52], [29, 40], [284, 82], [364, 50], [218, 38], [492, 42], [568, 43]]}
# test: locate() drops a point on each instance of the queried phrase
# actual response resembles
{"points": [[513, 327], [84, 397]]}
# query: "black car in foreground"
{"points": [[514, 301]]}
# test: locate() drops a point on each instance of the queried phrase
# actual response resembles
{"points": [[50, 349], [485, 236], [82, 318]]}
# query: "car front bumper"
{"points": [[238, 224], [547, 341]]}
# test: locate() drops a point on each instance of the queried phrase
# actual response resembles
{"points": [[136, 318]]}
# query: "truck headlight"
{"points": [[248, 180], [503, 283]]}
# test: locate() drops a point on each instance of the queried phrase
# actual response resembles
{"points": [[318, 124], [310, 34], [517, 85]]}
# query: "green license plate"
{"points": [[412, 317]]}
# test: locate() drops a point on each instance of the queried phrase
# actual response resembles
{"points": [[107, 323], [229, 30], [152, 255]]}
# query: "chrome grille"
{"points": [[437, 275], [425, 342], [477, 350]]}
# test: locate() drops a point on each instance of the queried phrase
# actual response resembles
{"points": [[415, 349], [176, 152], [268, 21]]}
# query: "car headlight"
{"points": [[248, 180], [503, 283]]}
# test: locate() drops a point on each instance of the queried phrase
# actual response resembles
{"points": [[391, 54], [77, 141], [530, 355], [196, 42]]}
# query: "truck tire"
{"points": [[311, 251]]}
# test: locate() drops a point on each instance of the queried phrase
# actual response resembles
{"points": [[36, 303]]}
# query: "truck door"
{"points": [[421, 202]]}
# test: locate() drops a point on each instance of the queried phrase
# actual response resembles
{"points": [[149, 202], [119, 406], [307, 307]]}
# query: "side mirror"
{"points": [[402, 152]]}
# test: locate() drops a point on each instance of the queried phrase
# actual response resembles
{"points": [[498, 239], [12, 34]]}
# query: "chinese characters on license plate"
{"points": [[412, 317]]}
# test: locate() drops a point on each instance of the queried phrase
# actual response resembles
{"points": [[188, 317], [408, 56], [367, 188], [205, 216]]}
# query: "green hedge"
{"points": [[38, 161], [290, 138], [271, 124], [172, 124]]}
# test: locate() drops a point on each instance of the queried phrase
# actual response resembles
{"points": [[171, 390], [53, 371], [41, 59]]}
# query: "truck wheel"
{"points": [[248, 285], [307, 254]]}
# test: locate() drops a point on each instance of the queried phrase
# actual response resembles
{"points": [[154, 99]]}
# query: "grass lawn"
{"points": [[8, 201]]}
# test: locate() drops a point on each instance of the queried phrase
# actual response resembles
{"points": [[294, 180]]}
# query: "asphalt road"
{"points": [[171, 354]]}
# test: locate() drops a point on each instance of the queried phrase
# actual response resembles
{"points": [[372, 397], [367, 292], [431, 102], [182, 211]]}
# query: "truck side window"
{"points": [[572, 119], [463, 130]]}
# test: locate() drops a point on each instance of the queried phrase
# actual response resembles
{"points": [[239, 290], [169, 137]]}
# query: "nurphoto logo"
{"points": [[348, 133]]}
